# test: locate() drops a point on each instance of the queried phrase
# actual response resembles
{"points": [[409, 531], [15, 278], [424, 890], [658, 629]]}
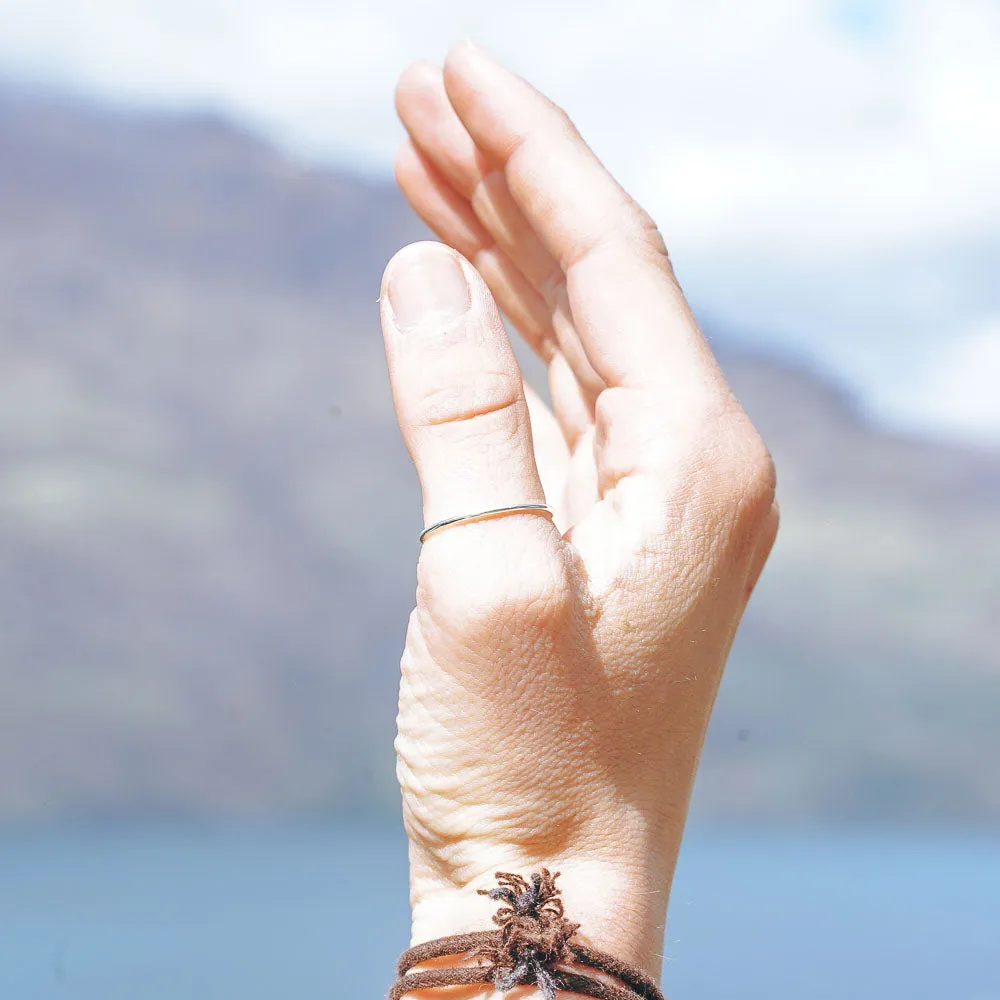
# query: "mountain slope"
{"points": [[208, 524]]}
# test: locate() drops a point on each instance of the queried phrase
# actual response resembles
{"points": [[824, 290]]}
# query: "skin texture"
{"points": [[557, 677]]}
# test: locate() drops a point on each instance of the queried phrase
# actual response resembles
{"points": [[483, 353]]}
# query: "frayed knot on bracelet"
{"points": [[534, 932], [532, 946]]}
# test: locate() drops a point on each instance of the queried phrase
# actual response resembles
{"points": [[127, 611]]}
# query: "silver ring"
{"points": [[535, 508]]}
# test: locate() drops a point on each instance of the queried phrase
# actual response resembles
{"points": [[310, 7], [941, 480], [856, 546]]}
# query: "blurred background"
{"points": [[208, 524]]}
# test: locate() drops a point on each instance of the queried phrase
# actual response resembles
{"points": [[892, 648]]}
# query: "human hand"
{"points": [[557, 678]]}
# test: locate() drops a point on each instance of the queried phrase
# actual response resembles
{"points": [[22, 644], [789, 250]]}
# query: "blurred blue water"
{"points": [[321, 913]]}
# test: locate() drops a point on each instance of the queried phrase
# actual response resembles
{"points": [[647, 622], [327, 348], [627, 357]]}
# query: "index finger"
{"points": [[631, 315]]}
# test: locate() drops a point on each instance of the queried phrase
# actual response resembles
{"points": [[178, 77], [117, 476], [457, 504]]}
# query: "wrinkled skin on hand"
{"points": [[558, 676]]}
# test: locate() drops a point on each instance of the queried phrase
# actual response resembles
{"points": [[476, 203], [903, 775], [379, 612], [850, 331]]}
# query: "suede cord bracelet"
{"points": [[534, 938]]}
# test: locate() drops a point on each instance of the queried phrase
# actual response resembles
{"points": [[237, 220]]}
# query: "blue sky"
{"points": [[867, 19], [825, 171]]}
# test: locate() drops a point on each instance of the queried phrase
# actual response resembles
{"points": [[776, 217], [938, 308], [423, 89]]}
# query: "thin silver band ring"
{"points": [[517, 508]]}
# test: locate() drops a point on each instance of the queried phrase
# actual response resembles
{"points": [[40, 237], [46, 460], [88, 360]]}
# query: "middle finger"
{"points": [[439, 135]]}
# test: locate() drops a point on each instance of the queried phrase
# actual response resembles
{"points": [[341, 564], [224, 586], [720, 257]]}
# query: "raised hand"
{"points": [[558, 677]]}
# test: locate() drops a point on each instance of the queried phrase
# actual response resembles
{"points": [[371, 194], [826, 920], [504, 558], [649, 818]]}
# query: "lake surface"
{"points": [[320, 912]]}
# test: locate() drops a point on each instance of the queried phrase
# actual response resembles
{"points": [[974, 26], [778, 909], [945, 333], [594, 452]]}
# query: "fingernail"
{"points": [[427, 288], [478, 49]]}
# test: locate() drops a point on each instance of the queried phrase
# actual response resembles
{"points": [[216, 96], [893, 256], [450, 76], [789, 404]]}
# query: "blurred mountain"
{"points": [[208, 523]]}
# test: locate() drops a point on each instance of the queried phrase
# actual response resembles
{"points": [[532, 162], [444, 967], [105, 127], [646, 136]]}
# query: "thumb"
{"points": [[458, 392]]}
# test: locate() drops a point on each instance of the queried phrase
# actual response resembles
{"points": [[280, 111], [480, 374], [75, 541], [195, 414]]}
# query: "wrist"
{"points": [[618, 897]]}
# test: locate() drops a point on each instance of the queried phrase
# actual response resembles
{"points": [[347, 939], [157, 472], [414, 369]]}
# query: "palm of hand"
{"points": [[556, 682]]}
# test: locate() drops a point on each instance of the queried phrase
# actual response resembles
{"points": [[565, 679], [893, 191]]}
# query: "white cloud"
{"points": [[765, 123], [956, 394], [789, 148]]}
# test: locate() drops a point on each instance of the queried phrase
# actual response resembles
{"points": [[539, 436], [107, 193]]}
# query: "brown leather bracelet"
{"points": [[532, 946]]}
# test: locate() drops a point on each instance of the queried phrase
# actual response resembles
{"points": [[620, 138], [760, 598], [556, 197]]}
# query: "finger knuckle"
{"points": [[733, 465], [647, 232], [743, 470], [560, 120], [640, 230], [479, 394]]}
